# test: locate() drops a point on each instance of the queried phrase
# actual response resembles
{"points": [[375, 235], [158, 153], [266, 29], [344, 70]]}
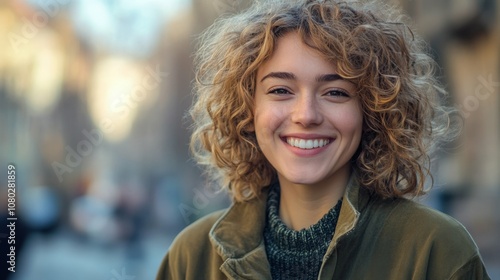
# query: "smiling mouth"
{"points": [[307, 144]]}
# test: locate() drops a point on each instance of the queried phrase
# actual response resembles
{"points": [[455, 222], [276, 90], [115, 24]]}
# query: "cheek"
{"points": [[267, 120], [351, 122]]}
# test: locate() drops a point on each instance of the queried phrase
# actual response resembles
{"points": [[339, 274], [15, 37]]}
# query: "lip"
{"points": [[307, 136], [306, 152]]}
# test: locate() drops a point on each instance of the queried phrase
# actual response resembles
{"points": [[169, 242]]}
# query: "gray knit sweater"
{"points": [[296, 254]]}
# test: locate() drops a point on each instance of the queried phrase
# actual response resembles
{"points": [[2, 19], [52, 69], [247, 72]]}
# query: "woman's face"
{"points": [[308, 121]]}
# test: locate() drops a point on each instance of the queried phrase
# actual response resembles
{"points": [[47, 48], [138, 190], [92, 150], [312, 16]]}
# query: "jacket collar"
{"points": [[238, 234], [238, 238], [354, 202]]}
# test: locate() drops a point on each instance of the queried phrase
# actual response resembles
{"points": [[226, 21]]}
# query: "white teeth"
{"points": [[302, 144], [307, 143]]}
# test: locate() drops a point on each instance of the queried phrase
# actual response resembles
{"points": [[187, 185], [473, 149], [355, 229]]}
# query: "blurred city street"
{"points": [[62, 256]]}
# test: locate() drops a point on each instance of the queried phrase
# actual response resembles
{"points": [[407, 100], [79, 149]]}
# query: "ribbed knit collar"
{"points": [[285, 238], [294, 253]]}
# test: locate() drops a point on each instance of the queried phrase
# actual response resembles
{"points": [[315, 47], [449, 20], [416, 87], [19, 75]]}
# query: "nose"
{"points": [[306, 111]]}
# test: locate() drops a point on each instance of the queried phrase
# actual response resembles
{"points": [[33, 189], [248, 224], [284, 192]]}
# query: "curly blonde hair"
{"points": [[370, 47]]}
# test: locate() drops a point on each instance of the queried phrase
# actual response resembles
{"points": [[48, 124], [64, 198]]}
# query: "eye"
{"points": [[337, 93], [279, 91]]}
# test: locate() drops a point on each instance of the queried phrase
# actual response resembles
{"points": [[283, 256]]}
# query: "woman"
{"points": [[318, 117]]}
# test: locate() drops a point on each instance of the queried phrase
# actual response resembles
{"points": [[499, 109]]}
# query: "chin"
{"points": [[304, 180]]}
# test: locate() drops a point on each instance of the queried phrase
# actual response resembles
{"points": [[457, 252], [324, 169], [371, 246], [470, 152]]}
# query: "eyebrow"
{"points": [[328, 78], [280, 75], [291, 76]]}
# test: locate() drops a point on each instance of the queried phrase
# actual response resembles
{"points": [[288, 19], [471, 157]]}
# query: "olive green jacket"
{"points": [[374, 239]]}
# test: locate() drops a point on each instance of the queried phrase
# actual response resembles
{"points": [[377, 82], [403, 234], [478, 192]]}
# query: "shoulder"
{"points": [[199, 230], [190, 249], [430, 239], [195, 235], [410, 216], [410, 219]]}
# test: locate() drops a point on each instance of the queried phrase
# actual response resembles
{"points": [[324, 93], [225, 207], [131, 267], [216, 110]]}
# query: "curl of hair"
{"points": [[370, 47]]}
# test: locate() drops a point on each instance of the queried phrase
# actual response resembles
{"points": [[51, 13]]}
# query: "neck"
{"points": [[302, 206]]}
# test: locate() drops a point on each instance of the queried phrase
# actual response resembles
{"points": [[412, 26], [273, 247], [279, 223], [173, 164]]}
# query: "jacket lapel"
{"points": [[254, 265], [354, 201], [238, 238]]}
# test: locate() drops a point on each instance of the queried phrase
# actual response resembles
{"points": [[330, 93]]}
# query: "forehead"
{"points": [[291, 54]]}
